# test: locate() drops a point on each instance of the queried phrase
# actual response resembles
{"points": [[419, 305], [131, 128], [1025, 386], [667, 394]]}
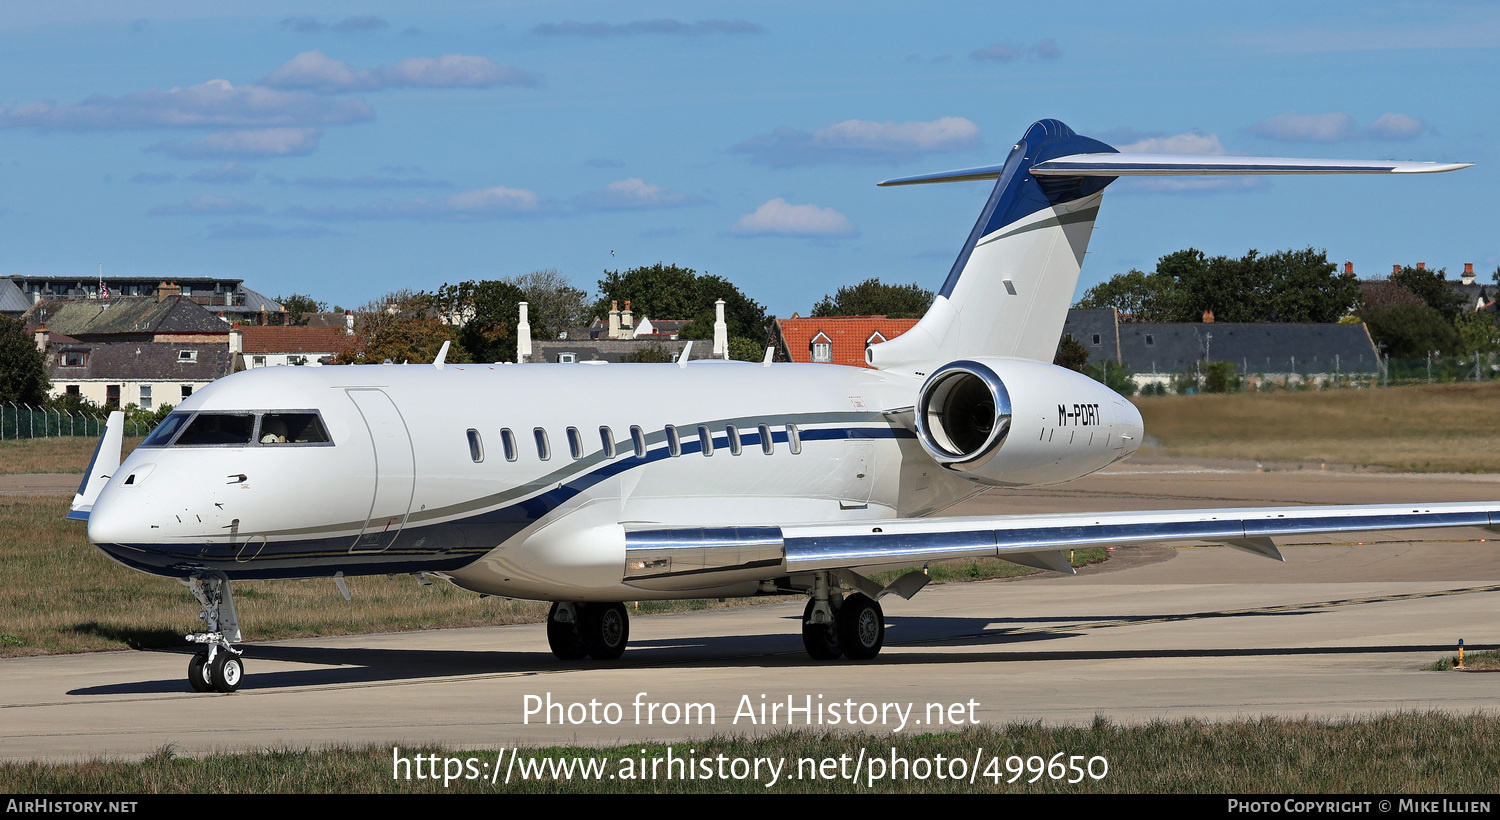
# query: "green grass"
{"points": [[1398, 428], [1426, 753], [1487, 660], [59, 454]]}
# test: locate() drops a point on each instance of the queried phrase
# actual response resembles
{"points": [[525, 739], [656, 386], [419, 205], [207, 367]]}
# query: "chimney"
{"points": [[1348, 267], [523, 337], [236, 341], [166, 289], [614, 319], [1208, 317], [1468, 273], [1421, 266], [626, 322], [348, 323], [284, 321], [721, 331], [1395, 269], [41, 338], [264, 320]]}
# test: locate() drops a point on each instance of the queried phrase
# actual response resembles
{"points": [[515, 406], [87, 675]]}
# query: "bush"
{"points": [[1219, 377]]}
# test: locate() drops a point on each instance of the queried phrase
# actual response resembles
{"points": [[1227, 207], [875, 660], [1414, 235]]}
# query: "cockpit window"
{"points": [[218, 428], [163, 433], [292, 428]]}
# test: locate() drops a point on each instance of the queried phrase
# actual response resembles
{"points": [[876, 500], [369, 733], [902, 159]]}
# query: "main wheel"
{"points": [[198, 673], [820, 640], [563, 637], [226, 672], [605, 629], [861, 626]]}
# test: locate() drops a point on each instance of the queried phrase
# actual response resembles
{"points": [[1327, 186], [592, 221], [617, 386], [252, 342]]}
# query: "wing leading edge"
{"points": [[1156, 165], [1026, 539]]}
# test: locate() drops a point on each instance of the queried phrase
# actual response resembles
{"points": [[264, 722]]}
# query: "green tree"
{"points": [[486, 314], [23, 368], [1138, 296], [1432, 287], [1477, 332], [874, 298], [403, 326], [1071, 353], [650, 353], [1408, 331], [299, 305], [664, 291], [552, 301]]}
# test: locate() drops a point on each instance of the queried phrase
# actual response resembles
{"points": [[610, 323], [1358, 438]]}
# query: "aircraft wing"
{"points": [[1031, 540], [1158, 165]]}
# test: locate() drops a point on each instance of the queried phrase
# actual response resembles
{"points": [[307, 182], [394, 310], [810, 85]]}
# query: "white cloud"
{"points": [[316, 71], [230, 172], [254, 144], [779, 218], [633, 193], [570, 28], [309, 24], [1337, 127], [1195, 144], [207, 204], [214, 104], [1006, 52], [861, 141], [484, 203]]}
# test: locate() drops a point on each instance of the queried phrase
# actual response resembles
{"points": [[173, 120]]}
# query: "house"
{"points": [[622, 340], [146, 374], [167, 316], [227, 296], [13, 302], [835, 339], [256, 346]]}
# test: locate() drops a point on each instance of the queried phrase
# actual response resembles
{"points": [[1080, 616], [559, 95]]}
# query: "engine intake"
{"points": [[963, 415]]}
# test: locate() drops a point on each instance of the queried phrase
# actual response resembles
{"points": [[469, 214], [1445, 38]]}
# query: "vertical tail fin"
{"points": [[1008, 293]]}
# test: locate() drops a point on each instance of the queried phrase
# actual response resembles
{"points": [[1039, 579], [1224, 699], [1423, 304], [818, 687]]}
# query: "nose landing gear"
{"points": [[219, 668]]}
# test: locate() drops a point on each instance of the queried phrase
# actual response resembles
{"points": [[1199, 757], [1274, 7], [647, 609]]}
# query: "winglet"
{"points": [[442, 356], [104, 463]]}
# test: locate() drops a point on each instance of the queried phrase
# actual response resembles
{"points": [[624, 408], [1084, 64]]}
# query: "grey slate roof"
{"points": [[1256, 348], [611, 350], [13, 302], [1087, 325], [141, 361], [132, 315]]}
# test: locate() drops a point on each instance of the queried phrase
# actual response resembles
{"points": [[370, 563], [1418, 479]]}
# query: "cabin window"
{"points": [[607, 439], [674, 444], [543, 449], [508, 442], [218, 428], [296, 428], [794, 439], [476, 447], [733, 434], [767, 446], [705, 440], [638, 440], [575, 443]]}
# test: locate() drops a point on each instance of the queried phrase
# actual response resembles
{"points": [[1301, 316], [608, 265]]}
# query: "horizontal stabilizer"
{"points": [[1164, 165]]}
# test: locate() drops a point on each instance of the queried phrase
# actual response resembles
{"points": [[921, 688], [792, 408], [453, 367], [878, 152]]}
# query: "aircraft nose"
{"points": [[109, 521]]}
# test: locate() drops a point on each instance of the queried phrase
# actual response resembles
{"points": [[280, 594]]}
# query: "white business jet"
{"points": [[592, 485]]}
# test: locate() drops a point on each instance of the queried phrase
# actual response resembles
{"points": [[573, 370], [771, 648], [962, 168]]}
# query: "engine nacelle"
{"points": [[1020, 423]]}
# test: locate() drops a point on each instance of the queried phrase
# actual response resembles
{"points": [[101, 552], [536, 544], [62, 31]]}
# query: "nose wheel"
{"points": [[219, 667]]}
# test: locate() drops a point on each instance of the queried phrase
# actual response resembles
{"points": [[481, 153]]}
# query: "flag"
{"points": [[103, 290]]}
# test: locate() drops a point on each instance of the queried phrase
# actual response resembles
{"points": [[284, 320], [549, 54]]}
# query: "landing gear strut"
{"points": [[599, 630], [834, 624], [219, 668]]}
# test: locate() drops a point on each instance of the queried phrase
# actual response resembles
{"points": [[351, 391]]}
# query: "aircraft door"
{"points": [[859, 475], [395, 471]]}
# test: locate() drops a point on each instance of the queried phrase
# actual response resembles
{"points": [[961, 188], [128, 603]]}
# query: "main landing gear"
{"points": [[835, 624], [220, 667], [597, 630]]}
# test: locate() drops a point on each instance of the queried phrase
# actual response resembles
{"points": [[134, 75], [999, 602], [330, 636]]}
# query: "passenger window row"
{"points": [[637, 442]]}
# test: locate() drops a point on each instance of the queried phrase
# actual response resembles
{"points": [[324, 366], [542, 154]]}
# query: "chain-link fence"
{"points": [[18, 421], [1293, 374]]}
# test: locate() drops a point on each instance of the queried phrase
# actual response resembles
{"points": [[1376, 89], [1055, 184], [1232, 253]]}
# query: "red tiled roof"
{"points": [[272, 339], [847, 333]]}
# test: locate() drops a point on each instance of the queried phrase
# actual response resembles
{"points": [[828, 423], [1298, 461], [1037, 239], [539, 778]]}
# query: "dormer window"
{"points": [[75, 358], [822, 348]]}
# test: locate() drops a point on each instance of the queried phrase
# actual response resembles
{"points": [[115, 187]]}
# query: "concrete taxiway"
{"points": [[1340, 629]]}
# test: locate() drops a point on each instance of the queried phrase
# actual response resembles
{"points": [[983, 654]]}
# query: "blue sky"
{"points": [[357, 148]]}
